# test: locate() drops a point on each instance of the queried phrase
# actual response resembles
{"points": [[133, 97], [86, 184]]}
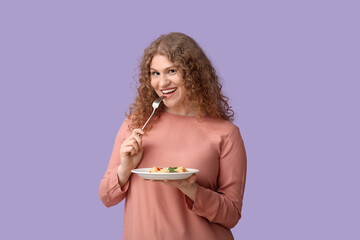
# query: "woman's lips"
{"points": [[168, 90], [168, 95]]}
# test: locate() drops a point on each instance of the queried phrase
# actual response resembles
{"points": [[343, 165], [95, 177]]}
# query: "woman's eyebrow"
{"points": [[172, 66]]}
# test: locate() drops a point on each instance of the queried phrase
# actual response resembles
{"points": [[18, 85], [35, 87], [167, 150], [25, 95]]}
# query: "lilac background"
{"points": [[290, 68]]}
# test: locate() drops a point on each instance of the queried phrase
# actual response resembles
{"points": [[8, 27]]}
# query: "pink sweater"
{"points": [[154, 210]]}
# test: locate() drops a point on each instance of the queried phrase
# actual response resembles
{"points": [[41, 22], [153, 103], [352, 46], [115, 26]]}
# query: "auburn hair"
{"points": [[203, 89]]}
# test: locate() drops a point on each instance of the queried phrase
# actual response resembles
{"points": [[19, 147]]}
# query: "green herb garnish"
{"points": [[172, 169]]}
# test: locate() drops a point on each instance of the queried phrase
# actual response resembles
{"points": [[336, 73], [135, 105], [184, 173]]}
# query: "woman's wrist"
{"points": [[190, 191], [123, 175]]}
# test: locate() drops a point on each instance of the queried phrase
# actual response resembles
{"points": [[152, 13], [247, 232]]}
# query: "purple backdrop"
{"points": [[291, 70]]}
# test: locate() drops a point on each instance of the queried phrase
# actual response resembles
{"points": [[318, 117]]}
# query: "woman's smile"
{"points": [[168, 93]]}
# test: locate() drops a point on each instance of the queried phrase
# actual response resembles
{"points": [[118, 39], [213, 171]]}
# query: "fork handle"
{"points": [[148, 120]]}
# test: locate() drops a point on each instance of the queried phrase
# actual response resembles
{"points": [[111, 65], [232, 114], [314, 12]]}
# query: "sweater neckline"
{"points": [[180, 116], [177, 115]]}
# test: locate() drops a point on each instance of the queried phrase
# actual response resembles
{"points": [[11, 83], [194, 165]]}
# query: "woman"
{"points": [[192, 128]]}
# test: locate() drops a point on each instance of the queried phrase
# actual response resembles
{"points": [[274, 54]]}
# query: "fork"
{"points": [[155, 105]]}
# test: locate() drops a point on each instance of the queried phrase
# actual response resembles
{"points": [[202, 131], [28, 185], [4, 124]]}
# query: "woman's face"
{"points": [[167, 80]]}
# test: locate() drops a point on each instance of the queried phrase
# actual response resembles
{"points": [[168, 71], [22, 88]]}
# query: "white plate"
{"points": [[144, 173]]}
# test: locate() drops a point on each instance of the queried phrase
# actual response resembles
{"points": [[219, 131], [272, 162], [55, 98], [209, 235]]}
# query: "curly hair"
{"points": [[200, 80]]}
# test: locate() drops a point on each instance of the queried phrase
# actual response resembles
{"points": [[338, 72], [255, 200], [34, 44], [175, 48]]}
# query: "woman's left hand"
{"points": [[187, 186]]}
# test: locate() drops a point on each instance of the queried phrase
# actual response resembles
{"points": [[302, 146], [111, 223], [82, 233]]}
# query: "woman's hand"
{"points": [[131, 153], [187, 186], [131, 150]]}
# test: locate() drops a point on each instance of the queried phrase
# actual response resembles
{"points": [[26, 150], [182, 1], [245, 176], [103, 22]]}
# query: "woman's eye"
{"points": [[155, 73], [172, 71]]}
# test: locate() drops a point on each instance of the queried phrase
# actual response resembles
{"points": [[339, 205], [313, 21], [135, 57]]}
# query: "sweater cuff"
{"points": [[201, 200], [115, 188]]}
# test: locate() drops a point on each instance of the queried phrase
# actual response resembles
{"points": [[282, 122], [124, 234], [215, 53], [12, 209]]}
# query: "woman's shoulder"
{"points": [[205, 124], [125, 125], [124, 130], [125, 121], [226, 125], [215, 127]]}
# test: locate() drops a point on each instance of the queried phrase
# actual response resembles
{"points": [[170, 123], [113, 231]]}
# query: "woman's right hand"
{"points": [[131, 150]]}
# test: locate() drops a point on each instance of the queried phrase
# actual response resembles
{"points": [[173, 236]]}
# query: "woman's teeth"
{"points": [[168, 91]]}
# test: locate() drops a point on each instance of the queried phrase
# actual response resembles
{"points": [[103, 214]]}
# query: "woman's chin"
{"points": [[168, 106]]}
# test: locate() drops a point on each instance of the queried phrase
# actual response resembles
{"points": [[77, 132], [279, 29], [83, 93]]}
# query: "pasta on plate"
{"points": [[168, 170]]}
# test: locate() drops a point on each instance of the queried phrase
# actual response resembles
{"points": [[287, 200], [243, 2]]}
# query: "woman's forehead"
{"points": [[161, 62]]}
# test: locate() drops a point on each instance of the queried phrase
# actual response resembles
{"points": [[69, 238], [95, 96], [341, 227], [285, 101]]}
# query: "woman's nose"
{"points": [[164, 81]]}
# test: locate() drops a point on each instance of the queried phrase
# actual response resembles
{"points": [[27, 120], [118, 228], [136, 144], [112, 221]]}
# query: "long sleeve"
{"points": [[110, 191], [155, 210], [224, 205]]}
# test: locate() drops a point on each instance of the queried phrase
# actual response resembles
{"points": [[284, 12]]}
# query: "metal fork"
{"points": [[155, 105]]}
